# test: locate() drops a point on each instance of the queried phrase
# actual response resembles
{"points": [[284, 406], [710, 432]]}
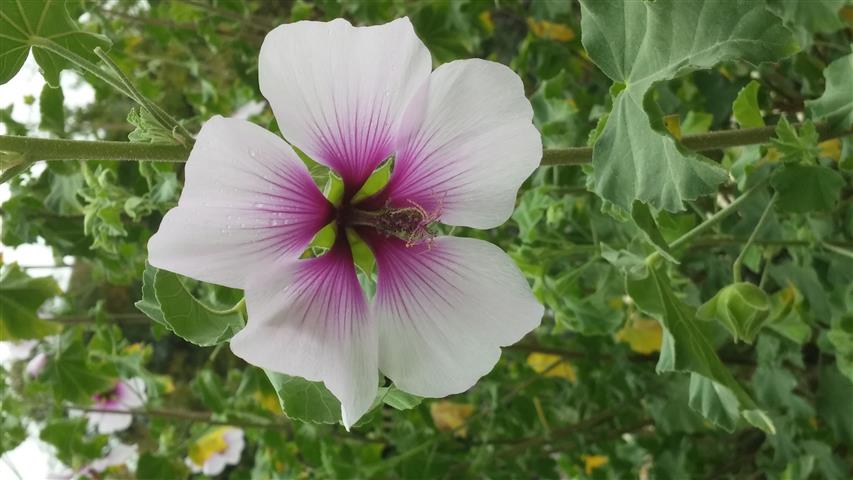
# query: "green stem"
{"points": [[88, 150], [700, 143], [163, 118], [188, 415], [736, 266], [836, 249], [47, 149], [81, 62], [712, 220]]}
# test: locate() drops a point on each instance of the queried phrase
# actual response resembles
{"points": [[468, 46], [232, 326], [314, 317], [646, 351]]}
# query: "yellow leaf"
{"points": [[268, 402], [591, 462], [486, 21], [772, 155], [450, 416], [210, 443], [643, 335], [133, 348], [544, 363], [550, 30], [831, 149], [673, 125], [847, 14], [166, 382]]}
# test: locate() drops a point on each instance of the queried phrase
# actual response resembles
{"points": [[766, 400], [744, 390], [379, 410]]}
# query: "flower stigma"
{"points": [[412, 224]]}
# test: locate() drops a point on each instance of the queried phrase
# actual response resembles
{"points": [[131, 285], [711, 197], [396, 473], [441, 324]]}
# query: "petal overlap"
{"points": [[445, 309], [247, 200], [338, 91], [309, 318], [465, 145]]}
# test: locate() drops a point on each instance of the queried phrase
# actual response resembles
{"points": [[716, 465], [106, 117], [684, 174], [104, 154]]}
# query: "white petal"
{"points": [[445, 310], [133, 393], [247, 200], [193, 467], [234, 439], [214, 465], [337, 91], [466, 145], [309, 319], [110, 422]]}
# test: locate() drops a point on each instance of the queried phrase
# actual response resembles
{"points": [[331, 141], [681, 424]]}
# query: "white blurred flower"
{"points": [[19, 350], [215, 449], [120, 454]]}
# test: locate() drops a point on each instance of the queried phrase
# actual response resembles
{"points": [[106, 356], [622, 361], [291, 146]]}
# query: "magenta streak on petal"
{"points": [[330, 285], [407, 274], [358, 144]]}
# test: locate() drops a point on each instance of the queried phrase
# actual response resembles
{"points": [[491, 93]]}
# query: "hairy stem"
{"points": [[47, 149], [700, 142], [88, 150]]}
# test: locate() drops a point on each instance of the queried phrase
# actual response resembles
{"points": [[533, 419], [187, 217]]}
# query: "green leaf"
{"points": [[807, 188], [713, 401], [794, 146], [147, 130], [686, 348], [175, 308], [304, 400], [23, 22], [160, 466], [742, 308], [20, 298], [644, 219], [835, 106], [69, 438], [149, 304], [841, 338], [745, 107], [401, 400], [641, 43], [815, 16], [73, 376], [211, 389], [52, 110], [833, 403]]}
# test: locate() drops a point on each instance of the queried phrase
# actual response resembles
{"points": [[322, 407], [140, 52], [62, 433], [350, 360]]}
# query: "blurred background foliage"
{"points": [[578, 398]]}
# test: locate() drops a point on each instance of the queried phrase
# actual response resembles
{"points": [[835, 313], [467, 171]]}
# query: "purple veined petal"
{"points": [[465, 145], [248, 200], [131, 393], [338, 91], [309, 318], [444, 310]]}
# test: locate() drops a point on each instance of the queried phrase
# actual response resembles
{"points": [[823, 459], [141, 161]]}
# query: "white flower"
{"points": [[462, 143], [215, 449], [120, 454]]}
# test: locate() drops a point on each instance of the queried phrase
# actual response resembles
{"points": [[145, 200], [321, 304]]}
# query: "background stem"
{"points": [[36, 149]]}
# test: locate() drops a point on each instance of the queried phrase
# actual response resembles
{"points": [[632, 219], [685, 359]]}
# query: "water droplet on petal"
{"points": [[253, 153]]}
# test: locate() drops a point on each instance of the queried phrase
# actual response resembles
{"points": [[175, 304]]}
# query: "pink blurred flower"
{"points": [[462, 143], [125, 395], [36, 365]]}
